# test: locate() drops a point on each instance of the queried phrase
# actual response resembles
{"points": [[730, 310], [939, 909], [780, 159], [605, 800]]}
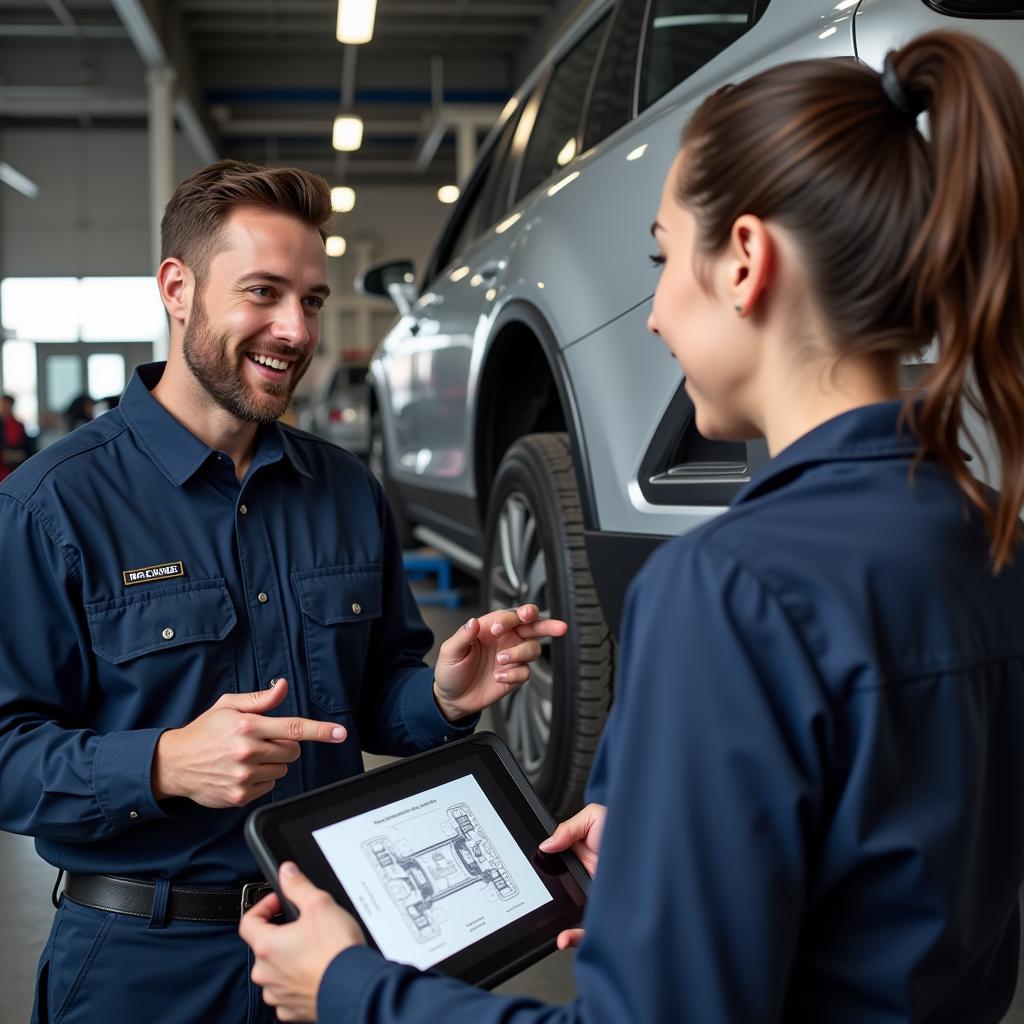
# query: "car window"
{"points": [[553, 140], [476, 210], [682, 36], [611, 94]]}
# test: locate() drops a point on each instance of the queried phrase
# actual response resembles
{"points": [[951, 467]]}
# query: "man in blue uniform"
{"points": [[196, 591]]}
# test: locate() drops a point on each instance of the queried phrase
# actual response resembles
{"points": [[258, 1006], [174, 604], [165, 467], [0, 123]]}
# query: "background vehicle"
{"points": [[338, 407], [525, 421]]}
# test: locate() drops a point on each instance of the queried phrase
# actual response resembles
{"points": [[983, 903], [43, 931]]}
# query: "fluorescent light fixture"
{"points": [[348, 133], [828, 32], [635, 154], [506, 224], [458, 274], [559, 185], [355, 20], [18, 181], [448, 193], [689, 20], [566, 153], [343, 199], [336, 245]]}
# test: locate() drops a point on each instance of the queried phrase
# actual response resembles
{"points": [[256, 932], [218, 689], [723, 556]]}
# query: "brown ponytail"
{"points": [[905, 240]]}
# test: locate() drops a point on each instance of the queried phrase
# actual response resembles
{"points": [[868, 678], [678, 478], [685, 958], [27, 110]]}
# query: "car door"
{"points": [[428, 363]]}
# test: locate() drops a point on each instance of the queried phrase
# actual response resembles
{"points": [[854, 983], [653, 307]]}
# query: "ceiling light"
{"points": [[458, 274], [448, 193], [566, 153], [355, 20], [18, 181], [343, 199], [336, 245], [559, 185], [348, 133], [506, 224]]}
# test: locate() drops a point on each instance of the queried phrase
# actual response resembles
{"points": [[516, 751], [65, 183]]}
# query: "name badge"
{"points": [[152, 573]]}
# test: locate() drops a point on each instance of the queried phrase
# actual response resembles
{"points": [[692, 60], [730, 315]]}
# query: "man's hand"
{"points": [[233, 754], [583, 833], [488, 657], [291, 958]]}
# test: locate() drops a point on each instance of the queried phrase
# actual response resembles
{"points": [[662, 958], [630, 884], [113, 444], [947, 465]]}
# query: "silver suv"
{"points": [[524, 422]]}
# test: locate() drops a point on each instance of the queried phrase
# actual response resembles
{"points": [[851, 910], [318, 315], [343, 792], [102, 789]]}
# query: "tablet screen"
{"points": [[433, 873], [437, 856]]}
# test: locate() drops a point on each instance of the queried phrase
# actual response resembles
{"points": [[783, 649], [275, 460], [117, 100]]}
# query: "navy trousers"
{"points": [[115, 969]]}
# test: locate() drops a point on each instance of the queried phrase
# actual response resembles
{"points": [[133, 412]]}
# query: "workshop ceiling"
{"points": [[264, 79]]}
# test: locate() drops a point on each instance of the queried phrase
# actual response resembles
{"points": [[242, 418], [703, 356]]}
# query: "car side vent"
{"points": [[682, 467]]}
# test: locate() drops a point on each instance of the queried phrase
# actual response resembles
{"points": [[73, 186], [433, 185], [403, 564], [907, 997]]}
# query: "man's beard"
{"points": [[207, 356]]}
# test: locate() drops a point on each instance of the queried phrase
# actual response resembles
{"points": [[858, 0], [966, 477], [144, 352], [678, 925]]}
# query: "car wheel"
{"points": [[534, 552], [377, 460]]}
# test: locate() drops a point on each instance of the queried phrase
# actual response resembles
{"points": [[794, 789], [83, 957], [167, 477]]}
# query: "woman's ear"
{"points": [[752, 260], [176, 283]]}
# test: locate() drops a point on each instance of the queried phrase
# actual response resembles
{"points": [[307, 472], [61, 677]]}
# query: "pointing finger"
{"points": [[298, 729]]}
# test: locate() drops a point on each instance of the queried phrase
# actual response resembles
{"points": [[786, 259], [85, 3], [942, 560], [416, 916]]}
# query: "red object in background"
{"points": [[15, 440]]}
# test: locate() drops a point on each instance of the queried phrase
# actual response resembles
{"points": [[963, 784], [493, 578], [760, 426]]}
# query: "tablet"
{"points": [[437, 857]]}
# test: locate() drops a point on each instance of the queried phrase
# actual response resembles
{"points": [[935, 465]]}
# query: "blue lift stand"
{"points": [[422, 563]]}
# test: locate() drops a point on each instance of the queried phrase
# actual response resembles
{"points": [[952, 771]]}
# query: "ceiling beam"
{"points": [[151, 49]]}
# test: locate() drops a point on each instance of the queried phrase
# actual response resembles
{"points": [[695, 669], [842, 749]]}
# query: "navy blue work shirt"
{"points": [[814, 768], [142, 582]]}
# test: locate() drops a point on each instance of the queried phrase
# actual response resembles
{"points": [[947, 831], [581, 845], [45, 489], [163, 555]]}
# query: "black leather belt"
{"points": [[184, 903]]}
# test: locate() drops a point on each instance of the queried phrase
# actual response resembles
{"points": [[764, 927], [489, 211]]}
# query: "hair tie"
{"points": [[894, 91]]}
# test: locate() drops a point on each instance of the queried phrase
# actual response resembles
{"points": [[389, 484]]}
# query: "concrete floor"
{"points": [[26, 882]]}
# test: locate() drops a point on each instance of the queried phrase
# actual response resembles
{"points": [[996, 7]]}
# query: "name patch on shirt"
{"points": [[152, 573]]}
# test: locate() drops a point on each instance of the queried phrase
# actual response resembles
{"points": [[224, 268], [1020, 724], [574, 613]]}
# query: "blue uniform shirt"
{"points": [[814, 768], [142, 581]]}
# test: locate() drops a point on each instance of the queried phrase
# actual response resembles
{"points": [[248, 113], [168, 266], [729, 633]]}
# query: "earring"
{"points": [[739, 309]]}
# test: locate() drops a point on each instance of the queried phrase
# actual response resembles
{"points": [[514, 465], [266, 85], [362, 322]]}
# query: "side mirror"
{"points": [[395, 280]]}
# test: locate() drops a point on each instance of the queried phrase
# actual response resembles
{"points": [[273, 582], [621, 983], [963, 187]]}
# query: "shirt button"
{"points": [[133, 814], [168, 633], [243, 510], [262, 598], [356, 608]]}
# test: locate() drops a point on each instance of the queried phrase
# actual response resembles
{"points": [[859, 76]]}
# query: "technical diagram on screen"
{"points": [[418, 880], [437, 857], [433, 873]]}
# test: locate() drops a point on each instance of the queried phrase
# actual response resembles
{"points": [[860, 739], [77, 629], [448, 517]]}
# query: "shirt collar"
{"points": [[869, 432], [176, 450]]}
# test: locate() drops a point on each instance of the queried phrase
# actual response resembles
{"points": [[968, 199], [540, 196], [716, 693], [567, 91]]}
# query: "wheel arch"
{"points": [[524, 388]]}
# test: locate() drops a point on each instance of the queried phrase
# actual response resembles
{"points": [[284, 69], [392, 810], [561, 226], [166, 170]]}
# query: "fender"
{"points": [[523, 313]]}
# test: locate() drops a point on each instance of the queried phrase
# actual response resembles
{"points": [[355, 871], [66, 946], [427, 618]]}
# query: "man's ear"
{"points": [[177, 287], [751, 262]]}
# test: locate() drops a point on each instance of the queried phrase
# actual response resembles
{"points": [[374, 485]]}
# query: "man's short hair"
{"points": [[196, 213], [7, 398]]}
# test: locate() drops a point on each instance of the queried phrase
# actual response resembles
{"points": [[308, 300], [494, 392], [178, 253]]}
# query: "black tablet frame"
{"points": [[283, 831]]}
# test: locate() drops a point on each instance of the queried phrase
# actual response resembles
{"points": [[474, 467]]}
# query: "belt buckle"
{"points": [[253, 892]]}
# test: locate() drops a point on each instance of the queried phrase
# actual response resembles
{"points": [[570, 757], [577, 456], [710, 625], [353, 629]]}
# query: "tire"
{"points": [[535, 523], [378, 463]]}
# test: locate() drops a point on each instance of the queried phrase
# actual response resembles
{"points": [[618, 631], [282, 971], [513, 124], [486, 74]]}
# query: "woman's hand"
{"points": [[582, 833]]}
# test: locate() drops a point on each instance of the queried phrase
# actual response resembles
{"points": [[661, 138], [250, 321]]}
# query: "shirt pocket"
{"points": [[164, 647], [339, 606]]}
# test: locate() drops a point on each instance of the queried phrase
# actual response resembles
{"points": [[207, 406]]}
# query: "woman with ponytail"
{"points": [[814, 769]]}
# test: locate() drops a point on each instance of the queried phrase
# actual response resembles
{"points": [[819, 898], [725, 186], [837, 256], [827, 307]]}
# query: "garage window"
{"points": [[682, 36], [553, 139]]}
